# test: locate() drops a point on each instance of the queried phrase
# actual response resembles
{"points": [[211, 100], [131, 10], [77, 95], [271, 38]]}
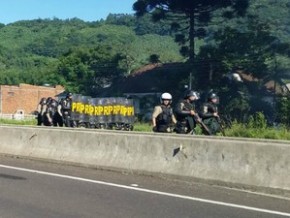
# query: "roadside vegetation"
{"points": [[19, 122], [255, 127]]}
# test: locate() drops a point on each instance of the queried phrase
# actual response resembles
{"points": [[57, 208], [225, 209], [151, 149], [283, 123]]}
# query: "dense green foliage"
{"points": [[189, 18], [218, 37], [255, 127], [72, 52]]}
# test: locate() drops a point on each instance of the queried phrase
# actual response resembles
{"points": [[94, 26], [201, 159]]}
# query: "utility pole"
{"points": [[190, 81]]}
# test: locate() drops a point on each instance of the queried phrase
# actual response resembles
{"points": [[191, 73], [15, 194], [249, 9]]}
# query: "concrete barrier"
{"points": [[257, 163]]}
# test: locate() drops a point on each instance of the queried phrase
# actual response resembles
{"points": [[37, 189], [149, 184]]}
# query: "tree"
{"points": [[252, 46], [121, 20], [85, 71], [276, 14], [193, 14]]}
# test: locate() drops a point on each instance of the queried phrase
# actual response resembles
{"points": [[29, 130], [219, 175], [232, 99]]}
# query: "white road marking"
{"points": [[220, 203], [255, 193]]}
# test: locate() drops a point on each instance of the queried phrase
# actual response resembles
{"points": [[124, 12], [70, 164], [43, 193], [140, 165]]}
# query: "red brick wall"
{"points": [[24, 97]]}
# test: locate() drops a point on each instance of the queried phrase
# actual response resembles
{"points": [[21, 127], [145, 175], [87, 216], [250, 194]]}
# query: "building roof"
{"points": [[152, 78]]}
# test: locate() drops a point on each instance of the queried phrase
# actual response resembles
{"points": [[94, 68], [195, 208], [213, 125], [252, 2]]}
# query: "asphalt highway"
{"points": [[33, 189]]}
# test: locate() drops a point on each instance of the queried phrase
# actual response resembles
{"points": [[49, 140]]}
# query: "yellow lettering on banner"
{"points": [[123, 110], [130, 111], [99, 110], [105, 110], [110, 110], [74, 106], [82, 108], [87, 108], [91, 110], [79, 107], [96, 111], [116, 109]]}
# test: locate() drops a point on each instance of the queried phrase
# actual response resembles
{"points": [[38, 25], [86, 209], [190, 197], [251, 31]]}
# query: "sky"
{"points": [[87, 10]]}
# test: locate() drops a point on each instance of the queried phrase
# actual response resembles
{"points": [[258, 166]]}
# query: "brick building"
{"points": [[24, 97]]}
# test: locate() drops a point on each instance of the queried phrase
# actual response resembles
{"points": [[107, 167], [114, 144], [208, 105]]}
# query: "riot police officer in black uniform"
{"points": [[40, 111], [58, 117], [66, 105], [186, 114], [163, 117], [209, 113], [47, 119], [50, 113]]}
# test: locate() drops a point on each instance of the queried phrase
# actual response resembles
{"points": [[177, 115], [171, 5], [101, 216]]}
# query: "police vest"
{"points": [[208, 110], [183, 106], [52, 107], [66, 105], [164, 118]]}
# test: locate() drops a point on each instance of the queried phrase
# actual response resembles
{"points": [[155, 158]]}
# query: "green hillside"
{"points": [[208, 41]]}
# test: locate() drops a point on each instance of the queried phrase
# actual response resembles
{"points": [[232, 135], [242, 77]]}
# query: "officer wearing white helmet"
{"points": [[163, 117]]}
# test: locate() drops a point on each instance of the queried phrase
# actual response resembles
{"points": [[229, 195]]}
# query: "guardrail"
{"points": [[245, 162]]}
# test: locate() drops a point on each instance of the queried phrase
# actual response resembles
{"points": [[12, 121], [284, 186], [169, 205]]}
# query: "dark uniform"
{"points": [[53, 113], [164, 119], [185, 113], [209, 114], [47, 116], [57, 118], [40, 111], [66, 105]]}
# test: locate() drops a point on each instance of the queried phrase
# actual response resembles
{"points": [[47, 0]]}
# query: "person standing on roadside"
{"points": [[41, 108], [163, 117], [66, 105]]}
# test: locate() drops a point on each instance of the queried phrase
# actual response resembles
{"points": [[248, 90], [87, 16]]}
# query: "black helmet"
{"points": [[48, 100], [212, 96], [190, 93], [53, 103], [42, 101], [68, 95]]}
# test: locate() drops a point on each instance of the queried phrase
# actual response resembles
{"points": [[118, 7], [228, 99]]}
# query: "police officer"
{"points": [[163, 117], [41, 107], [66, 109], [58, 117], [54, 113], [186, 114], [50, 112], [209, 113]]}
